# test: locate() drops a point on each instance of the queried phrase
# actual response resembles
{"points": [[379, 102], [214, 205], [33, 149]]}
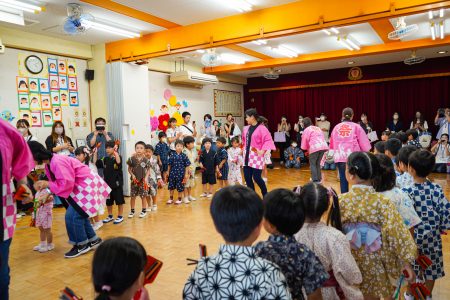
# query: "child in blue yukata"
{"points": [[222, 162], [162, 151], [413, 139], [178, 172], [434, 210], [284, 217], [405, 179], [236, 272], [392, 147], [293, 156]]}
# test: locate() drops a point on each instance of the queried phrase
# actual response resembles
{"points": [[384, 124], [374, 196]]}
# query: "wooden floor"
{"points": [[172, 234]]}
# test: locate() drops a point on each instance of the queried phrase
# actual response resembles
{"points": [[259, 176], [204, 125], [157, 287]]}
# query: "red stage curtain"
{"points": [[378, 100]]}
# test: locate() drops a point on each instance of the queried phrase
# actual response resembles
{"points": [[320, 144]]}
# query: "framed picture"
{"points": [[74, 99], [80, 142], [36, 120], [73, 85], [23, 101], [54, 95], [47, 117], [62, 66], [22, 84], [43, 85], [33, 85], [54, 82], [25, 114], [35, 102], [63, 82], [57, 113], [46, 101], [52, 66], [64, 98], [71, 68]]}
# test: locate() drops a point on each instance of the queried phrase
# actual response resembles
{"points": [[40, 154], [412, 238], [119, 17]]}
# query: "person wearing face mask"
{"points": [[98, 139], [23, 127], [314, 142], [442, 152], [298, 128], [57, 142], [419, 123], [395, 125], [442, 120], [324, 125], [365, 123], [285, 128], [293, 156]]}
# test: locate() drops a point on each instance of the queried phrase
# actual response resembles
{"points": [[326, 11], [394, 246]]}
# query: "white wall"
{"points": [[200, 101], [8, 95]]}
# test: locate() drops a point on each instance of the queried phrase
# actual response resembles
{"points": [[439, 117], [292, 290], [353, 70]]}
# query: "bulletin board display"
{"points": [[227, 102]]}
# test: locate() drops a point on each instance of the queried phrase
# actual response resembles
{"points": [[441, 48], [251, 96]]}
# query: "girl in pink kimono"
{"points": [[314, 142], [347, 137], [84, 190], [256, 140]]}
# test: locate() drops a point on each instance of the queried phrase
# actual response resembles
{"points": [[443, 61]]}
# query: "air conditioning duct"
{"points": [[192, 78]]}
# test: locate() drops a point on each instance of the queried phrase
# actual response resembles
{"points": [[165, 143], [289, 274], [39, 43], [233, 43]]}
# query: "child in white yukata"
{"points": [[434, 210], [235, 162], [154, 179], [405, 179]]}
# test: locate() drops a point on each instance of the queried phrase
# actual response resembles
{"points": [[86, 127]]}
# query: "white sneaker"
{"points": [[50, 247], [43, 249], [18, 216], [148, 209], [155, 207], [170, 201], [23, 214], [204, 195], [131, 215], [264, 179], [143, 214], [38, 247], [178, 201], [186, 200], [209, 195], [97, 226], [192, 198]]}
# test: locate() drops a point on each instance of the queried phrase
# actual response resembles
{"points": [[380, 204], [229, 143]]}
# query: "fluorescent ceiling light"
{"points": [[326, 31], [430, 15], [200, 51], [350, 63], [20, 5], [335, 30], [441, 13], [348, 42], [343, 43], [442, 52], [260, 42], [433, 31], [286, 51], [239, 5], [114, 30], [352, 43], [12, 18], [441, 30], [231, 58]]}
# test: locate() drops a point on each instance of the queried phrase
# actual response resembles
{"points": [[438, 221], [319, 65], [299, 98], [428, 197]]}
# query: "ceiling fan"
{"points": [[77, 22], [414, 59]]}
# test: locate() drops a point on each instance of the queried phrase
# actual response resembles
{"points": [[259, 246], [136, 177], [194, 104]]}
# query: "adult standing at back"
{"points": [[284, 127], [231, 128], [443, 121], [314, 142], [58, 142], [187, 128], [256, 140], [324, 125], [347, 137], [99, 137], [15, 161]]}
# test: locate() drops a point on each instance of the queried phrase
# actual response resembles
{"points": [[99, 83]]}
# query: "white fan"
{"points": [[211, 58], [272, 74], [414, 59], [402, 30], [76, 22]]}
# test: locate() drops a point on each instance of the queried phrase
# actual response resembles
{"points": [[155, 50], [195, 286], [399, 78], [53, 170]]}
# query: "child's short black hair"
{"points": [[235, 139], [161, 134], [139, 143], [179, 142], [188, 139], [284, 210], [388, 133], [222, 140], [100, 119], [110, 144], [405, 153], [402, 136], [149, 147], [393, 135], [422, 161], [412, 132], [207, 140], [380, 146], [363, 164], [385, 179], [171, 120], [393, 146], [236, 212]]}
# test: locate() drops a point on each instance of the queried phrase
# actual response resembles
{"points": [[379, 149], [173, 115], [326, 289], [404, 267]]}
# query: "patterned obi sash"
{"points": [[363, 233]]}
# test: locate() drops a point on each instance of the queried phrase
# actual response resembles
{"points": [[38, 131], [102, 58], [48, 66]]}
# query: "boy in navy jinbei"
{"points": [[236, 272]]}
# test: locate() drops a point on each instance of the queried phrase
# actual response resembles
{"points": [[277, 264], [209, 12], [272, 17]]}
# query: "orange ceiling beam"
{"points": [[330, 55], [382, 28], [131, 12], [289, 19], [248, 51]]}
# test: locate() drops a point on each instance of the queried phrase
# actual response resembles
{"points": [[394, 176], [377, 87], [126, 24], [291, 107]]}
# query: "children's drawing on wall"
{"points": [[57, 114], [36, 120], [33, 84], [22, 84], [43, 85], [23, 101], [25, 114], [52, 66]]}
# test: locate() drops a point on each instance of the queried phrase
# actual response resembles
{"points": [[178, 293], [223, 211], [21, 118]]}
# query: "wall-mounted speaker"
{"points": [[89, 74]]}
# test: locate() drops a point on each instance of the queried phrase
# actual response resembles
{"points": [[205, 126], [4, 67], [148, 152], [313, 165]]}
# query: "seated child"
{"points": [[154, 179], [236, 161], [44, 217], [139, 170], [329, 243], [385, 135], [118, 269], [329, 161], [379, 147], [442, 152], [191, 153], [366, 212], [208, 165], [283, 217], [434, 210], [292, 156], [403, 137], [392, 148], [222, 162], [413, 140], [178, 172], [235, 271], [113, 175], [162, 151], [404, 179]]}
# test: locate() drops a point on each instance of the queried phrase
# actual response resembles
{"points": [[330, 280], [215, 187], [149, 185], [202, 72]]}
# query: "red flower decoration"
{"points": [[163, 122]]}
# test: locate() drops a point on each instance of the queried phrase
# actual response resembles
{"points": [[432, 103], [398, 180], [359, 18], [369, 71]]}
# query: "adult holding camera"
{"points": [[99, 137], [231, 128], [284, 127], [442, 152], [442, 120]]}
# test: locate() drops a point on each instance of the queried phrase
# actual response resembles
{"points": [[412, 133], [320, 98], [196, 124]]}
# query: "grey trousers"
{"points": [[314, 164]]}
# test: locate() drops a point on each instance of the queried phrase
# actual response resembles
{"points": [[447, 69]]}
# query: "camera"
{"points": [[441, 112]]}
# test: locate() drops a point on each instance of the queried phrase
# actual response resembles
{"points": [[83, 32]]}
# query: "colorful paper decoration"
{"points": [[46, 101], [35, 102], [54, 95], [33, 85], [73, 99], [22, 84], [57, 113], [52, 66], [43, 85], [23, 101], [167, 94], [54, 82], [25, 114], [36, 120], [64, 98], [47, 116]]}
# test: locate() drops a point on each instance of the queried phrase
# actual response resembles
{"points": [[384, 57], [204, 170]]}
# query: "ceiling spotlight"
{"points": [[260, 42], [335, 30], [286, 51], [350, 62], [442, 52]]}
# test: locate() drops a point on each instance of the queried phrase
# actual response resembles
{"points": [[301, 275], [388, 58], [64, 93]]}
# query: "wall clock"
{"points": [[34, 64]]}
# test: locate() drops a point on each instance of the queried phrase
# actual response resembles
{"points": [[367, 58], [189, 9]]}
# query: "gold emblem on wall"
{"points": [[355, 73]]}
